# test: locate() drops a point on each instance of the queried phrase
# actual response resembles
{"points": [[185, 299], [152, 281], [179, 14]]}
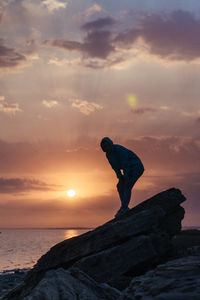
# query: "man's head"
{"points": [[106, 145]]}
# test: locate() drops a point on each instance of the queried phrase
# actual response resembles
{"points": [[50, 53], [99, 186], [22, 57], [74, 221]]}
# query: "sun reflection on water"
{"points": [[70, 233]]}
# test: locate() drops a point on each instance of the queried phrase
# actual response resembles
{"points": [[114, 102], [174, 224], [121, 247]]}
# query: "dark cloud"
{"points": [[128, 37], [175, 36], [19, 185], [96, 44], [143, 110], [98, 24], [60, 43], [9, 57]]}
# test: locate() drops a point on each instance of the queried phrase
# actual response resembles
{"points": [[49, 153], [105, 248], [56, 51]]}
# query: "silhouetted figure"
{"points": [[126, 160]]}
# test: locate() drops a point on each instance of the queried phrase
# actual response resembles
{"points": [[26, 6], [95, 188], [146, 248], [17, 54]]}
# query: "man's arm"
{"points": [[117, 170], [123, 155]]}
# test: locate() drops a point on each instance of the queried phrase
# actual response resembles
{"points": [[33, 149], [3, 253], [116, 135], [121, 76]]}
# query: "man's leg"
{"points": [[120, 189], [127, 193], [126, 196]]}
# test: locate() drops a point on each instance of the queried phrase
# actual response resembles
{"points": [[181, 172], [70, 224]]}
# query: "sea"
{"points": [[21, 248]]}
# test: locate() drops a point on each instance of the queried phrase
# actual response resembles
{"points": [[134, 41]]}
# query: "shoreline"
{"points": [[9, 279]]}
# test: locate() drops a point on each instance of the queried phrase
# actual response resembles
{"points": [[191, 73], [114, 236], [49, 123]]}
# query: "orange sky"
{"points": [[72, 72]]}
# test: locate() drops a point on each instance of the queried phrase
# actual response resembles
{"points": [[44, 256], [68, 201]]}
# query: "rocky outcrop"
{"points": [[70, 285], [178, 279], [114, 252]]}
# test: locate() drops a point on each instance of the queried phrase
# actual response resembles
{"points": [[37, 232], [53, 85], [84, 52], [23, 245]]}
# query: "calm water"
{"points": [[21, 248]]}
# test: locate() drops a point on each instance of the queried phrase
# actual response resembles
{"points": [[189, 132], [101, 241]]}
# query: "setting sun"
{"points": [[71, 193]]}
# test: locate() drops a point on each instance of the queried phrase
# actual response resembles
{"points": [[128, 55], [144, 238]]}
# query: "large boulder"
{"points": [[121, 248], [178, 279], [71, 285]]}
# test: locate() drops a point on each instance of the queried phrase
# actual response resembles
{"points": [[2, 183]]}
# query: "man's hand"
{"points": [[121, 181]]}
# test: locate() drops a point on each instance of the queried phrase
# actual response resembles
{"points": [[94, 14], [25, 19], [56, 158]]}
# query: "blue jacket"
{"points": [[124, 159]]}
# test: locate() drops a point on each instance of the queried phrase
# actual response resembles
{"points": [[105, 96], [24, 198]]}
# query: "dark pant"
{"points": [[124, 190]]}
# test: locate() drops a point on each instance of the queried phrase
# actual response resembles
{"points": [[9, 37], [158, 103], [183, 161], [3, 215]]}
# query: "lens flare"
{"points": [[132, 100]]}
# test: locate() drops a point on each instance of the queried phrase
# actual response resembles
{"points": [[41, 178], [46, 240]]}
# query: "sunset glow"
{"points": [[73, 72]]}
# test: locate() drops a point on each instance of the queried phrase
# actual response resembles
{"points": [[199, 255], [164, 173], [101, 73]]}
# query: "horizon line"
{"points": [[66, 228]]}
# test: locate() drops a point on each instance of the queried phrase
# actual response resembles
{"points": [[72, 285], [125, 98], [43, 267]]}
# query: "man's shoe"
{"points": [[121, 211]]}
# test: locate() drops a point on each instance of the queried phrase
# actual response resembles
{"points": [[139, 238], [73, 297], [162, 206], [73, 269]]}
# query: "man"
{"points": [[121, 158]]}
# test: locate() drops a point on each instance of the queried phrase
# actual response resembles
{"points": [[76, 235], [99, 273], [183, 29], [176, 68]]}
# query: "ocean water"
{"points": [[21, 248]]}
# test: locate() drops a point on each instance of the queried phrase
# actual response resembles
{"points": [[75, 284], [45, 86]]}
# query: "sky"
{"points": [[72, 72]]}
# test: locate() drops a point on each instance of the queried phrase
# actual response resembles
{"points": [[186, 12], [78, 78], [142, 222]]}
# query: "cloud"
{"points": [[57, 212], [61, 43], [98, 24], [8, 108], [175, 36], [47, 157], [61, 62], [9, 57], [143, 110], [163, 154], [53, 5], [167, 153], [169, 161], [31, 48], [95, 8], [85, 107], [98, 44], [194, 115], [95, 44], [97, 209], [49, 103], [19, 185]]}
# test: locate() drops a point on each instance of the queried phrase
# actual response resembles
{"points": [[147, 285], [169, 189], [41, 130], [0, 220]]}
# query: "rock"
{"points": [[67, 253], [174, 280], [71, 285], [129, 257], [169, 201], [186, 239], [11, 278], [121, 248]]}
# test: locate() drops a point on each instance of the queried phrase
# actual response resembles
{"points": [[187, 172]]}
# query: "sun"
{"points": [[71, 193]]}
